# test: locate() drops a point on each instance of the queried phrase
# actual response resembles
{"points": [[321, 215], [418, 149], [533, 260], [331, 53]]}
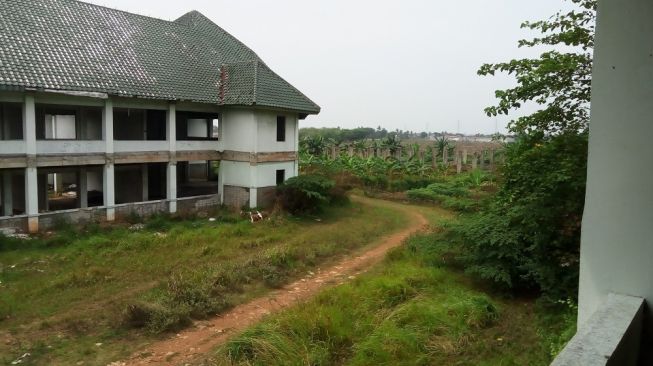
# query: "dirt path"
{"points": [[206, 335]]}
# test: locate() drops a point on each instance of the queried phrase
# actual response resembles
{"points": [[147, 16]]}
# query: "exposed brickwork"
{"points": [[236, 196], [265, 196]]}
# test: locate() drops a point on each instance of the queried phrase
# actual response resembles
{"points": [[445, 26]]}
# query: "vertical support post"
{"points": [[145, 179], [31, 182], [108, 180], [32, 198], [465, 156], [445, 156], [108, 176], [82, 187], [474, 161], [171, 186], [171, 171], [459, 162], [7, 194]]}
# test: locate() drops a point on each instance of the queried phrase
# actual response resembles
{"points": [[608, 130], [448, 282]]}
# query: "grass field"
{"points": [[95, 295], [412, 309]]}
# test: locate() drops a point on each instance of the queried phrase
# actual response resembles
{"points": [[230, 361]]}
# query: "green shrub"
{"points": [[529, 235], [304, 193]]}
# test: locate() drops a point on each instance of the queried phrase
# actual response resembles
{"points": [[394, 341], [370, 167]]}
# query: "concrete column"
{"points": [[171, 128], [145, 180], [464, 156], [474, 161], [32, 199], [445, 156], [459, 165], [171, 186], [7, 194], [108, 181], [29, 125], [107, 126], [108, 176], [82, 187], [616, 250]]}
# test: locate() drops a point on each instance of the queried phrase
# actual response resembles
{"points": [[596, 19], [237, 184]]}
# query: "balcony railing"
{"points": [[611, 336]]}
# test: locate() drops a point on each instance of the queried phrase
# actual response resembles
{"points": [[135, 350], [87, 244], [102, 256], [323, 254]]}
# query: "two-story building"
{"points": [[104, 113]]}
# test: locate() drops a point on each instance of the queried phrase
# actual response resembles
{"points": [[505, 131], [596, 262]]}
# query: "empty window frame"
{"points": [[68, 123], [281, 128], [197, 126], [281, 176], [132, 124], [11, 121]]}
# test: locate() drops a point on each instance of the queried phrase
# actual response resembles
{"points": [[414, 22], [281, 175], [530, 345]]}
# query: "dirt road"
{"points": [[194, 342]]}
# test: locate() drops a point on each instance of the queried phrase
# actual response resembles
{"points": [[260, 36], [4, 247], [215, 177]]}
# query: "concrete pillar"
{"points": [[82, 187], [459, 162], [32, 199], [29, 125], [108, 176], [171, 186], [474, 161], [616, 250], [146, 182], [464, 156], [445, 156], [108, 189], [7, 194], [107, 126], [171, 127]]}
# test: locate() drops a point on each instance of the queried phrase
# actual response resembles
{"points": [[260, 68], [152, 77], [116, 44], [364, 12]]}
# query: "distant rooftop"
{"points": [[75, 46]]}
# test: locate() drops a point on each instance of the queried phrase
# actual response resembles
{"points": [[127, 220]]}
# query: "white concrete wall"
{"points": [[617, 234], [239, 132], [266, 174], [236, 173], [267, 132]]}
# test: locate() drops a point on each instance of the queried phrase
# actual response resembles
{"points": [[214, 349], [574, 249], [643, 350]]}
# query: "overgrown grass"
{"points": [[413, 309], [63, 293]]}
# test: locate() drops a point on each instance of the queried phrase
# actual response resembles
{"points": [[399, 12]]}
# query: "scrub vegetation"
{"points": [[95, 294]]}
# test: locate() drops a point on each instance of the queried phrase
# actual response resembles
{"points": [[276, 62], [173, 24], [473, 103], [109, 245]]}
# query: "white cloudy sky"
{"points": [[407, 64]]}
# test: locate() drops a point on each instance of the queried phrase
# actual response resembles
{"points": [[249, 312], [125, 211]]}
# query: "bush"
{"points": [[529, 236], [305, 193]]}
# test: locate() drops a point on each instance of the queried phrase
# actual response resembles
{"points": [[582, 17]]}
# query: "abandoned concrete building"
{"points": [[104, 113]]}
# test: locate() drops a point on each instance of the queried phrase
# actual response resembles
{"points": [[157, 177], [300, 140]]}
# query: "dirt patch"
{"points": [[204, 336]]}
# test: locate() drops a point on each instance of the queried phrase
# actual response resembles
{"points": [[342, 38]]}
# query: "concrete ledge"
{"points": [[611, 336]]}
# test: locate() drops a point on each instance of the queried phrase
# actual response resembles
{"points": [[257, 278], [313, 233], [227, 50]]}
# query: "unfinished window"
{"points": [[131, 124], [11, 121], [281, 176], [281, 128], [196, 178], [197, 126], [68, 123], [60, 127]]}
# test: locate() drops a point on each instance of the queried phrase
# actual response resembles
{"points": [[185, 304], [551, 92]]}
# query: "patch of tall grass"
{"points": [[411, 310]]}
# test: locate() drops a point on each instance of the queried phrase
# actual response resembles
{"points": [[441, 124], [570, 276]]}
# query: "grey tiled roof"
{"points": [[75, 46]]}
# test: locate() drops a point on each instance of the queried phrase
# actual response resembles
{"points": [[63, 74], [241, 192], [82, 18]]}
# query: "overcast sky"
{"points": [[407, 65]]}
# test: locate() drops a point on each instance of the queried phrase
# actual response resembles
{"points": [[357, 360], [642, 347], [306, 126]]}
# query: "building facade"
{"points": [[105, 113]]}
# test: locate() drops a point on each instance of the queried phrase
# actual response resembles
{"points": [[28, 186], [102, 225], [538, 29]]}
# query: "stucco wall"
{"points": [[238, 130], [267, 132], [617, 234]]}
